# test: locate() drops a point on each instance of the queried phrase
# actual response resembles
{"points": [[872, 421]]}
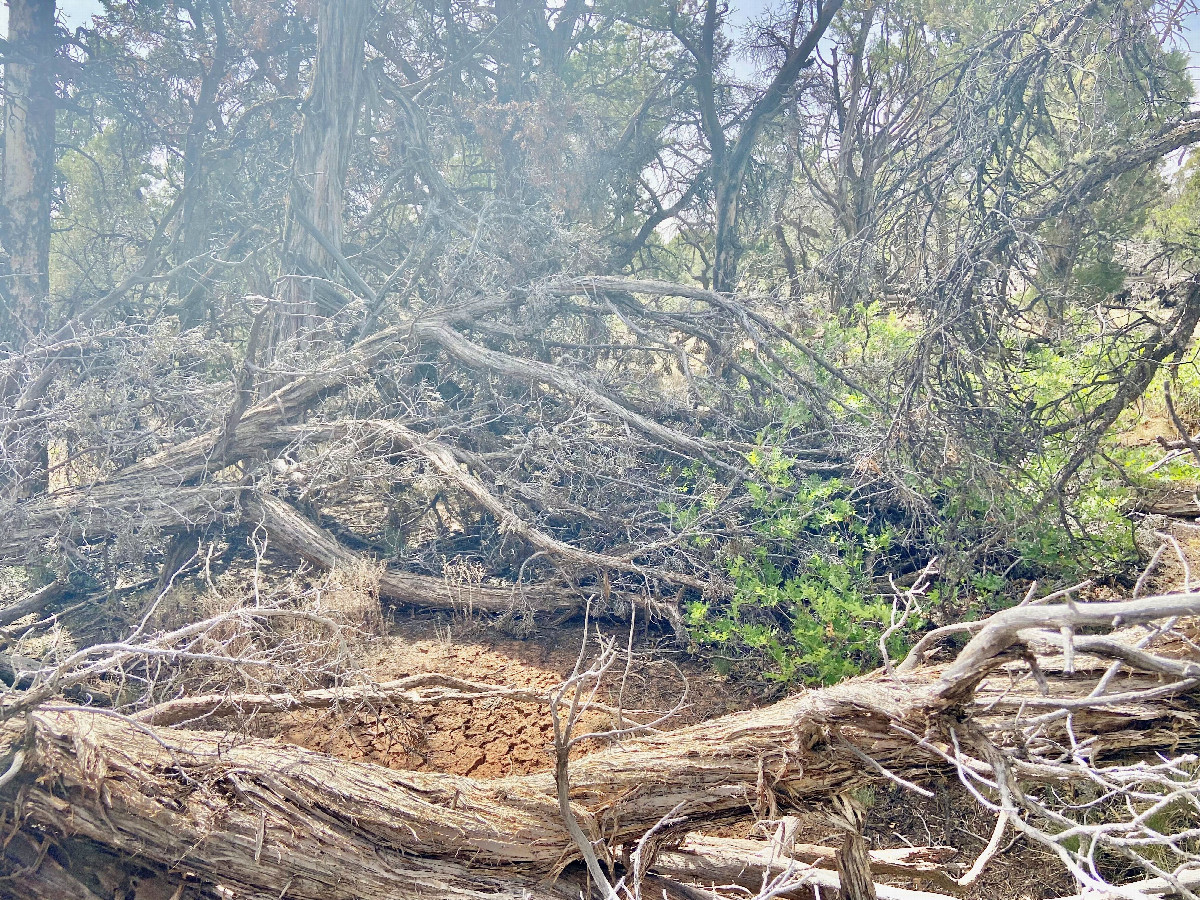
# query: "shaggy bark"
{"points": [[313, 238]]}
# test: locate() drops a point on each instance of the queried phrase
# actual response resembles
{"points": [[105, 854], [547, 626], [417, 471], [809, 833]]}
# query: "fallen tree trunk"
{"points": [[259, 815], [262, 814], [298, 535], [35, 602], [256, 816]]}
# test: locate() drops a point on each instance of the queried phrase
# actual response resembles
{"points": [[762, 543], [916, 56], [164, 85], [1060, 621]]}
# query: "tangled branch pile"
{"points": [[558, 358], [531, 309]]}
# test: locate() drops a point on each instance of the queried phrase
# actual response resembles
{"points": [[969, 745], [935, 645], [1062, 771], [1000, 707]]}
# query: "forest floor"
{"points": [[495, 737]]}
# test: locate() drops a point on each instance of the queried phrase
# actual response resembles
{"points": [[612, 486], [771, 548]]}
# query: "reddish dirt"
{"points": [[493, 737]]}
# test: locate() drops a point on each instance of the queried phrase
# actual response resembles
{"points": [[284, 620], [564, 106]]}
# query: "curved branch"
{"points": [[1003, 630], [446, 463], [476, 356]]}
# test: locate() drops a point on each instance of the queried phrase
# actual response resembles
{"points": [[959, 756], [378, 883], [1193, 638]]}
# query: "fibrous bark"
{"points": [[322, 156]]}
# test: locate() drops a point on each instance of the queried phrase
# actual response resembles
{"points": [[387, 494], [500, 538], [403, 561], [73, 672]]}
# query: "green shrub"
{"points": [[802, 603]]}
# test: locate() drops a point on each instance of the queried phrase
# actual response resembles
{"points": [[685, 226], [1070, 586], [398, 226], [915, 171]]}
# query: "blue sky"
{"points": [[1191, 29]]}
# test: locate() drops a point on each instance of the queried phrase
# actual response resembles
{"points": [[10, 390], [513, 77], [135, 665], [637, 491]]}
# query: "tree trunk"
{"points": [[853, 860], [313, 231], [727, 250], [510, 82], [26, 183], [28, 168], [191, 285], [730, 163], [510, 45]]}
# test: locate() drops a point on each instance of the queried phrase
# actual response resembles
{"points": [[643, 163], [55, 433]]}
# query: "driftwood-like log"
{"points": [[1003, 630], [35, 602], [1151, 887], [255, 816]]}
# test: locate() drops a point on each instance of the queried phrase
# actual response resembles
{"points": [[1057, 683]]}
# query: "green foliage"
{"points": [[802, 603]]}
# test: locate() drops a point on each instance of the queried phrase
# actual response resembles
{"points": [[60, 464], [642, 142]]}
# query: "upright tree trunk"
{"points": [[510, 36], [727, 248], [731, 162], [26, 181], [28, 167], [319, 165], [192, 284], [510, 80]]}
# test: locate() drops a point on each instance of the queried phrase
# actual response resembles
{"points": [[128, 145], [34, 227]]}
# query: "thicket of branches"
{"points": [[534, 308], [595, 301]]}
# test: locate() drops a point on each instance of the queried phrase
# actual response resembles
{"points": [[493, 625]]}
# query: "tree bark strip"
{"points": [[324, 145]]}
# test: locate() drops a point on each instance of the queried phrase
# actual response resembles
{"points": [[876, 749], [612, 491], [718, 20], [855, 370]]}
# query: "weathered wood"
{"points": [[701, 858], [1149, 887], [255, 815], [853, 862], [166, 791], [35, 602], [1004, 628], [706, 869], [296, 534]]}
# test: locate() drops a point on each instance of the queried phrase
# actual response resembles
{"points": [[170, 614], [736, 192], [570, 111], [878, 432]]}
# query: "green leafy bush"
{"points": [[802, 602]]}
